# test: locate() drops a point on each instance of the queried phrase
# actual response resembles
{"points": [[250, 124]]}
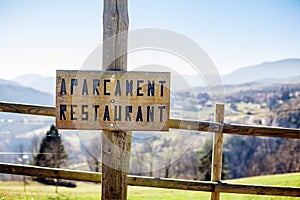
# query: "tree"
{"points": [[171, 148], [51, 152], [34, 145], [287, 157], [205, 155], [285, 94], [93, 151]]}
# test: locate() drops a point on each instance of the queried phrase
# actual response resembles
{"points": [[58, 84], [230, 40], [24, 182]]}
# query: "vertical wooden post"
{"points": [[115, 144], [216, 170]]}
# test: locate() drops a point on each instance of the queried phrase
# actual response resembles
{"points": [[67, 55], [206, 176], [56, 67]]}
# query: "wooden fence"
{"points": [[215, 186]]}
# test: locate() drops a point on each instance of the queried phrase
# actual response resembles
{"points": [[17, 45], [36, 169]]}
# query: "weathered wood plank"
{"points": [[257, 189], [45, 172], [237, 129], [151, 181], [214, 186], [261, 131], [216, 169], [115, 144], [171, 183], [112, 100], [27, 109]]}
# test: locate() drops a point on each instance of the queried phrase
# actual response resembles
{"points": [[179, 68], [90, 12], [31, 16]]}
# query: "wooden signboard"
{"points": [[112, 100]]}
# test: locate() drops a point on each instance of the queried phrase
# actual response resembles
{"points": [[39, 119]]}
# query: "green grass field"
{"points": [[35, 191]]}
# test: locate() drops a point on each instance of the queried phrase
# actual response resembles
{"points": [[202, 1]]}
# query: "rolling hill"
{"points": [[265, 72], [13, 92], [43, 84]]}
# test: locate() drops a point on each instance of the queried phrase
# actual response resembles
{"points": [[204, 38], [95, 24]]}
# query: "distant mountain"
{"points": [[47, 84], [13, 92], [7, 82], [265, 72], [44, 84]]}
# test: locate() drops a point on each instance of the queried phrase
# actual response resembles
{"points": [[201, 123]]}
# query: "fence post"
{"points": [[216, 169], [115, 144]]}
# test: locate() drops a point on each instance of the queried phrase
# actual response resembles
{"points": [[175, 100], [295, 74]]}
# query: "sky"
{"points": [[42, 36]]}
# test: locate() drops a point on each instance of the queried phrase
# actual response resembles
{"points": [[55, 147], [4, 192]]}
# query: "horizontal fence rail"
{"points": [[175, 123], [27, 109], [238, 129], [45, 172]]}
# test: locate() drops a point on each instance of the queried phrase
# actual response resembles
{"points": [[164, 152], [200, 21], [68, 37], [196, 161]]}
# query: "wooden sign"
{"points": [[112, 100]]}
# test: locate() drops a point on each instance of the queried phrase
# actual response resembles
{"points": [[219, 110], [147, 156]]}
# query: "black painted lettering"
{"points": [[84, 88], [106, 116], [72, 112], [105, 87], [151, 88], [63, 87], [150, 113], [62, 110], [129, 87], [118, 88], [84, 112], [139, 88], [139, 116], [96, 83], [162, 88], [161, 108], [96, 112], [73, 83], [128, 110], [117, 113]]}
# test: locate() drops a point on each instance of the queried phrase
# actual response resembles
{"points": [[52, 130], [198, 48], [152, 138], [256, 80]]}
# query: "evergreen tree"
{"points": [[285, 95], [205, 155], [52, 152]]}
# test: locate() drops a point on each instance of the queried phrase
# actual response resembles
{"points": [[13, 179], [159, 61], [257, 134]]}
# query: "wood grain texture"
{"points": [[265, 131], [150, 181], [257, 189], [113, 92], [27, 109], [216, 169], [46, 172], [237, 129], [115, 144]]}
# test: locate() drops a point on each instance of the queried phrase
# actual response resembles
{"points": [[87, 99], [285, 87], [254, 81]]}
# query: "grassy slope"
{"points": [[14, 190]]}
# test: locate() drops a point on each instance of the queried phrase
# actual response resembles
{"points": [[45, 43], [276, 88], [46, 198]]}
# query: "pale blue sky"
{"points": [[40, 36]]}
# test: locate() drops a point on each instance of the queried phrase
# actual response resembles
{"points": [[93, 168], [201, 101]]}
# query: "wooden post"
{"points": [[216, 170], [115, 144]]}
